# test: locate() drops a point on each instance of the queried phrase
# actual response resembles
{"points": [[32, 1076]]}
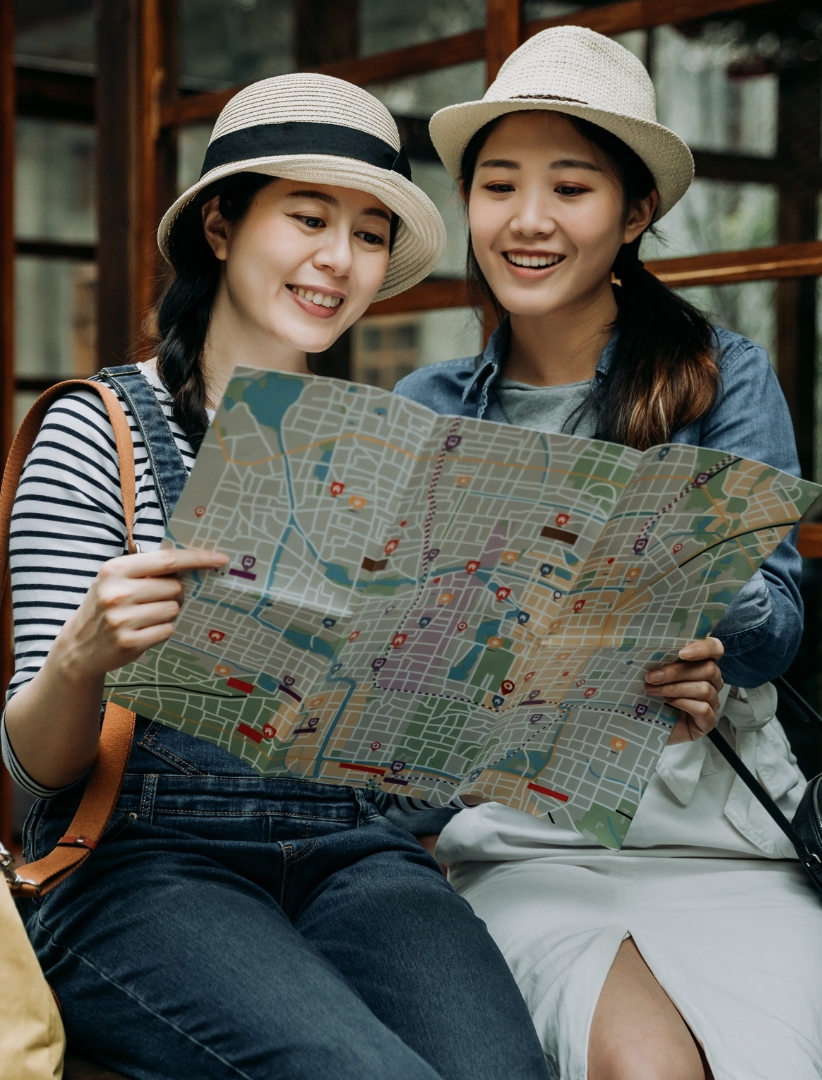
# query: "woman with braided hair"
{"points": [[229, 924], [693, 951]]}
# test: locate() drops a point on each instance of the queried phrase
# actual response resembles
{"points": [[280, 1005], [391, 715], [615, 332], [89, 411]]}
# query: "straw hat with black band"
{"points": [[324, 131], [573, 70]]}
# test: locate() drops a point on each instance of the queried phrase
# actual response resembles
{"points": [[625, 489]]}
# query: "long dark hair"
{"points": [[185, 309], [663, 374]]}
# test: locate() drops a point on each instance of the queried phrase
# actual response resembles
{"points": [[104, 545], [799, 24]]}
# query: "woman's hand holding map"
{"points": [[692, 686], [131, 605]]}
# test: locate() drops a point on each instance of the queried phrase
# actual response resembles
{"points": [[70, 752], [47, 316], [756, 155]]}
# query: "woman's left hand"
{"points": [[692, 685]]}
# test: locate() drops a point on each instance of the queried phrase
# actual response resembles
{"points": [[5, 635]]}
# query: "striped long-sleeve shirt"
{"points": [[68, 520]]}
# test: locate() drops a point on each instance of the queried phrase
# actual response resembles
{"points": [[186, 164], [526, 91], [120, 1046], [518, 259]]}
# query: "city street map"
{"points": [[435, 606]]}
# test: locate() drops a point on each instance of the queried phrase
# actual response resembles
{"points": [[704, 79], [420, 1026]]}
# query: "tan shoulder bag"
{"points": [[103, 788]]}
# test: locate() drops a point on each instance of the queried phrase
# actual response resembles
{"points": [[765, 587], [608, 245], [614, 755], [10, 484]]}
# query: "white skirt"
{"points": [[705, 886], [735, 943]]}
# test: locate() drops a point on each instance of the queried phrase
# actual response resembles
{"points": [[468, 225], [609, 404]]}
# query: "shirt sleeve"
{"points": [[67, 520], [761, 629]]}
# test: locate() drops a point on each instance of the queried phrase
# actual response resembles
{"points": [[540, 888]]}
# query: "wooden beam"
{"points": [[35, 384], [362, 71], [746, 168], [640, 14], [166, 145], [503, 33], [7, 109], [430, 295], [756, 264], [130, 74], [117, 30], [798, 145], [56, 249], [716, 268], [7, 246], [55, 95], [146, 259], [326, 32]]}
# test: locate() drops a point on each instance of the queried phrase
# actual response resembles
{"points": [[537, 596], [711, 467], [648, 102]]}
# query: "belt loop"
{"points": [[365, 808], [147, 797]]}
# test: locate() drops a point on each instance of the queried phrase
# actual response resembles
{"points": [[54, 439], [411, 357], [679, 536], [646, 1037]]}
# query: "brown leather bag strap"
{"points": [[89, 822], [24, 440], [106, 777]]}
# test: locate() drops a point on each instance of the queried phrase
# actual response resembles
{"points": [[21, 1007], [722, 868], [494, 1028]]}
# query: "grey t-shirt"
{"points": [[548, 408]]}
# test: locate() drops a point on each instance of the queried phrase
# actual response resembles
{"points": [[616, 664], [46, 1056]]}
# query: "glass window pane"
{"points": [[716, 215], [437, 184], [46, 36], [55, 317], [191, 148], [748, 307], [422, 95], [393, 24], [226, 42], [386, 348], [54, 181], [547, 9], [698, 98], [23, 401]]}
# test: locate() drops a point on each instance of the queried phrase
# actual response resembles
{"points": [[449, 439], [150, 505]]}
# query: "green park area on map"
{"points": [[435, 606]]}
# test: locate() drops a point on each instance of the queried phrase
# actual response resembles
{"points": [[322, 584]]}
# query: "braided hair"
{"points": [[185, 309]]}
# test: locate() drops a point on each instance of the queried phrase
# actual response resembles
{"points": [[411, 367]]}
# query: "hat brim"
{"points": [[420, 240], [668, 158]]}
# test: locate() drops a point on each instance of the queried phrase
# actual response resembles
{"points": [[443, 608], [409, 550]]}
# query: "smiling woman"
{"points": [[240, 925], [630, 962], [300, 267]]}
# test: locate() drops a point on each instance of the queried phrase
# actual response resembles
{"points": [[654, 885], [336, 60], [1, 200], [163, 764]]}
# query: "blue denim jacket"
{"points": [[761, 629]]}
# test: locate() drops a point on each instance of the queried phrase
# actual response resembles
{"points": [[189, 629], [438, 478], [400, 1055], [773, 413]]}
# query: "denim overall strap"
{"points": [[164, 455]]}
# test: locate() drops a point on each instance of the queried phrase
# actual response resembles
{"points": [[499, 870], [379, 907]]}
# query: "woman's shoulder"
{"points": [[83, 407], [440, 386], [748, 390], [735, 351], [79, 413]]}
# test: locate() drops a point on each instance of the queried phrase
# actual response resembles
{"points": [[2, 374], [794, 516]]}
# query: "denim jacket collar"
{"points": [[489, 366]]}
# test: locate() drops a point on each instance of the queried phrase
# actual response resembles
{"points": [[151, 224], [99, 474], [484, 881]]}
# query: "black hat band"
{"points": [[299, 137]]}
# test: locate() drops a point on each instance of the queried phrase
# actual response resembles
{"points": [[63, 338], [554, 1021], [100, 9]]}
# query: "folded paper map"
{"points": [[436, 606]]}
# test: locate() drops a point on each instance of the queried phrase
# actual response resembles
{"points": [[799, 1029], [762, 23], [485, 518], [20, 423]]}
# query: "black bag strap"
{"points": [[758, 791], [809, 859], [795, 702]]}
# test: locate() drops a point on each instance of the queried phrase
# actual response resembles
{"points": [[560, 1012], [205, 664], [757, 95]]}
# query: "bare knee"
{"points": [[636, 1032], [637, 1059]]}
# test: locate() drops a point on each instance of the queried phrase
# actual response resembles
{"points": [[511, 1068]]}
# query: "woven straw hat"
{"points": [[327, 131], [573, 70]]}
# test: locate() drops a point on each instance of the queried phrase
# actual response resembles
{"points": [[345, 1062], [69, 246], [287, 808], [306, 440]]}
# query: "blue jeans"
{"points": [[235, 926]]}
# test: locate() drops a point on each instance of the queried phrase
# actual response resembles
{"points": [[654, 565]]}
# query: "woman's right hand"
{"points": [[131, 605]]}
